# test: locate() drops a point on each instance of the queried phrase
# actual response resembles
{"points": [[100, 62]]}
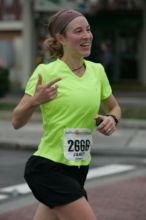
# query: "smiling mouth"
{"points": [[85, 45]]}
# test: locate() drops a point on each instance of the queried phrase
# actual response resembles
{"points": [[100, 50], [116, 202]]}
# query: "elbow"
{"points": [[15, 121], [15, 124], [16, 127]]}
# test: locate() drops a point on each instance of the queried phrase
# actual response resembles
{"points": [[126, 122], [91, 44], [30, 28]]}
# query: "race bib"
{"points": [[77, 143]]}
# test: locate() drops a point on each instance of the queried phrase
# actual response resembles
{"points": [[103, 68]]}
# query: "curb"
{"points": [[130, 152], [16, 146], [121, 152], [36, 117], [133, 123]]}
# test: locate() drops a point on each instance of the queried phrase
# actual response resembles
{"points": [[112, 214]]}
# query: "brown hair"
{"points": [[58, 24]]}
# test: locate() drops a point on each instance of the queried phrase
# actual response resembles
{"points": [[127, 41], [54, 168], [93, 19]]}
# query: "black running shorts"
{"points": [[54, 183]]}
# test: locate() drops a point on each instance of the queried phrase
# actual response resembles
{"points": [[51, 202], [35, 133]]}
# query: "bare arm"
{"points": [[108, 125], [111, 106], [28, 104], [23, 112]]}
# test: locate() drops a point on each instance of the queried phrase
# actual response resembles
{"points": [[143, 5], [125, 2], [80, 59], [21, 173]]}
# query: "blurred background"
{"points": [[119, 28], [119, 164]]}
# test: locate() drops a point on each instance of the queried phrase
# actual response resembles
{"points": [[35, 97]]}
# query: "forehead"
{"points": [[80, 21]]}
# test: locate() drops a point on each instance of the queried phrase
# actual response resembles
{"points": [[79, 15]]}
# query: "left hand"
{"points": [[107, 126]]}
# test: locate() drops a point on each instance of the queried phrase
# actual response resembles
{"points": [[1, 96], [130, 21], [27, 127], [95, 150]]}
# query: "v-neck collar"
{"points": [[71, 72]]}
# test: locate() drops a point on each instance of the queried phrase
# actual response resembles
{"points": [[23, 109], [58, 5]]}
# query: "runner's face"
{"points": [[78, 39]]}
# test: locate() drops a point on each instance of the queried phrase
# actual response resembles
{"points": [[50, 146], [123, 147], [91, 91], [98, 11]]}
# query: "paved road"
{"points": [[123, 199], [119, 200], [115, 186]]}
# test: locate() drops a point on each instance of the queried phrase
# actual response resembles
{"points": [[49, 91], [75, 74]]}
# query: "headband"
{"points": [[62, 19]]}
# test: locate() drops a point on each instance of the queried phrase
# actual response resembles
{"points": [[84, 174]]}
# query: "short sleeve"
{"points": [[32, 82], [106, 89]]}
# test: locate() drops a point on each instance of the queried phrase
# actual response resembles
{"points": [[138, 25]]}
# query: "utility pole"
{"points": [[28, 41]]}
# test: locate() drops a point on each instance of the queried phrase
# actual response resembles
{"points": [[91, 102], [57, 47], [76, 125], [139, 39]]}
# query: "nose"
{"points": [[87, 34]]}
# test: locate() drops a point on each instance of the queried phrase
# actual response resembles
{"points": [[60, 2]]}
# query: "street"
{"points": [[115, 187], [12, 164]]}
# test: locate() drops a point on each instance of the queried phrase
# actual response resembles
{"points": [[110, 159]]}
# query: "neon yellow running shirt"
{"points": [[72, 112]]}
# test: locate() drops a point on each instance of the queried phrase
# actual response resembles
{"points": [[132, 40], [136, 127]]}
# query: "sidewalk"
{"points": [[129, 139]]}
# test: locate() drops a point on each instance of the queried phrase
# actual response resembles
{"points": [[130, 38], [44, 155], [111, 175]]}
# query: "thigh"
{"points": [[79, 209], [43, 212]]}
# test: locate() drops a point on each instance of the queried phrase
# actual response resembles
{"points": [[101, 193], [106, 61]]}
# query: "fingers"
{"points": [[52, 94], [109, 131], [39, 82], [45, 92], [51, 83], [107, 126], [49, 93]]}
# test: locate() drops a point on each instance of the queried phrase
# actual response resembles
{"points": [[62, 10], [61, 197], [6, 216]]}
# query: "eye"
{"points": [[78, 30], [88, 29]]}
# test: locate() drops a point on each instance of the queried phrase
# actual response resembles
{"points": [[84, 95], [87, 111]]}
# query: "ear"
{"points": [[60, 38]]}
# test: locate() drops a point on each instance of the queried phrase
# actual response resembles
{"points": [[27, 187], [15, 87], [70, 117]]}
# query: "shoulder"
{"points": [[51, 67], [92, 64], [46, 66], [96, 68], [46, 69]]}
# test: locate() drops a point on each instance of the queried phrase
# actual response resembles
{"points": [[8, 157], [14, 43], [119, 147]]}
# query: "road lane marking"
{"points": [[108, 170], [20, 189], [2, 197], [23, 188]]}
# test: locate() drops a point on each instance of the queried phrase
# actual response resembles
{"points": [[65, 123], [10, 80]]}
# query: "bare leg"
{"points": [[79, 209], [43, 212]]}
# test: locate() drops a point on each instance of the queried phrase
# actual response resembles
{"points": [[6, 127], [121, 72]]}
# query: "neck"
{"points": [[74, 63], [78, 68]]}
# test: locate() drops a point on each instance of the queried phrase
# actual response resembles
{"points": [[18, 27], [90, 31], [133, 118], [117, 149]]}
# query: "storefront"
{"points": [[119, 37], [116, 42], [11, 39]]}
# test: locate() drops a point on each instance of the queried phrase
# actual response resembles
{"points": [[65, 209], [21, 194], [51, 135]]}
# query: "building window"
{"points": [[10, 10]]}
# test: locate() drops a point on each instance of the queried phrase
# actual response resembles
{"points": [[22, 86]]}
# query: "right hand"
{"points": [[45, 92], [107, 125]]}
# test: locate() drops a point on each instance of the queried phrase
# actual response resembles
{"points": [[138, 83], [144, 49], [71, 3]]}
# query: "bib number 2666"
{"points": [[77, 144]]}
